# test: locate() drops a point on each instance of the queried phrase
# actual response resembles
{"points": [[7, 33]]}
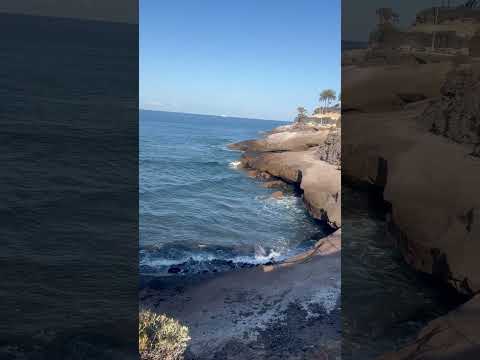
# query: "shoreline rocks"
{"points": [[417, 150], [433, 220], [288, 140], [319, 181]]}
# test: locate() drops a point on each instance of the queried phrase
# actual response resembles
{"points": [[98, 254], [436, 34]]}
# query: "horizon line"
{"points": [[220, 116], [104, 20]]}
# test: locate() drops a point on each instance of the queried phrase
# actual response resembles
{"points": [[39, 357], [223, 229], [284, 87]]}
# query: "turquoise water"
{"points": [[196, 206]]}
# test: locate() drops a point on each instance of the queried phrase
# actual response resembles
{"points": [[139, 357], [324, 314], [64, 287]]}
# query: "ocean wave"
{"points": [[234, 164], [259, 259], [198, 262], [254, 259]]}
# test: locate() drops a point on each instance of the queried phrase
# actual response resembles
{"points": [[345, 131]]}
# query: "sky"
{"points": [[249, 58], [359, 18]]}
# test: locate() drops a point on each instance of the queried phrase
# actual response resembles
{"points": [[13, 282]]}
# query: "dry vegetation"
{"points": [[160, 337]]}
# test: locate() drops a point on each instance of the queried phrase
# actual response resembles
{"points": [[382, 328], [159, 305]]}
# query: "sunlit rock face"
{"points": [[305, 156]]}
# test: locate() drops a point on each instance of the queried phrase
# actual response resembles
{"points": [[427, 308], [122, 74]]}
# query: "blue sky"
{"points": [[248, 58]]}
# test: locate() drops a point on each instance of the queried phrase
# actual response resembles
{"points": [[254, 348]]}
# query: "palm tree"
{"points": [[326, 97]]}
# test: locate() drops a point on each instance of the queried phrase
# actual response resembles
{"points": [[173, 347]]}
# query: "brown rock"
{"points": [[277, 195], [284, 141], [252, 173], [302, 157], [264, 175], [331, 150], [450, 337], [273, 184], [384, 83], [319, 180], [329, 245], [242, 145], [456, 115]]}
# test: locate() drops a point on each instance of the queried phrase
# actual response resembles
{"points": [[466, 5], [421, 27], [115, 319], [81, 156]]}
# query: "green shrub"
{"points": [[160, 337]]}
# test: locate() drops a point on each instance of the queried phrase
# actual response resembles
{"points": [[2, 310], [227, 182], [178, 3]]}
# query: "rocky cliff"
{"points": [[419, 150], [308, 159], [331, 150], [456, 114]]}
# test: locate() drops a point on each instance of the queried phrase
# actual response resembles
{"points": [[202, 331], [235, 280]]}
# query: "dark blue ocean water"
{"points": [[69, 189], [194, 203], [385, 302]]}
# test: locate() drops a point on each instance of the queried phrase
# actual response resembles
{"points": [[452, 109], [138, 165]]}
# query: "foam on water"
{"points": [[234, 164]]}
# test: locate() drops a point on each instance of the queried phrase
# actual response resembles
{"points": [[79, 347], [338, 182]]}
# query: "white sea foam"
{"points": [[327, 297], [260, 256], [161, 262], [290, 202], [234, 164]]}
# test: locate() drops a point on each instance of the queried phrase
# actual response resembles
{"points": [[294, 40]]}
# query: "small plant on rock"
{"points": [[161, 337]]}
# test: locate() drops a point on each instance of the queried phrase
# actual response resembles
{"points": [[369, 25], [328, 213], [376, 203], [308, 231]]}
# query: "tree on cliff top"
{"points": [[326, 97], [302, 114]]}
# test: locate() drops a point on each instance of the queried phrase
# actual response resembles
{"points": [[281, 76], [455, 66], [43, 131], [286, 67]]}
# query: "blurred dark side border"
{"points": [[69, 187], [411, 137]]}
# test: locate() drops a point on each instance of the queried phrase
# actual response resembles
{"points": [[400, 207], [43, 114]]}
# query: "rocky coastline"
{"points": [[287, 309], [308, 159], [402, 146]]}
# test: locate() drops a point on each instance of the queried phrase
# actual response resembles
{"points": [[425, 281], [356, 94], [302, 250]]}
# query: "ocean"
{"points": [[69, 209], [198, 208], [385, 303]]}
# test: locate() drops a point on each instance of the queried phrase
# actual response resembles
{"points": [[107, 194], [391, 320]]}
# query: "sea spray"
{"points": [[234, 164]]}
